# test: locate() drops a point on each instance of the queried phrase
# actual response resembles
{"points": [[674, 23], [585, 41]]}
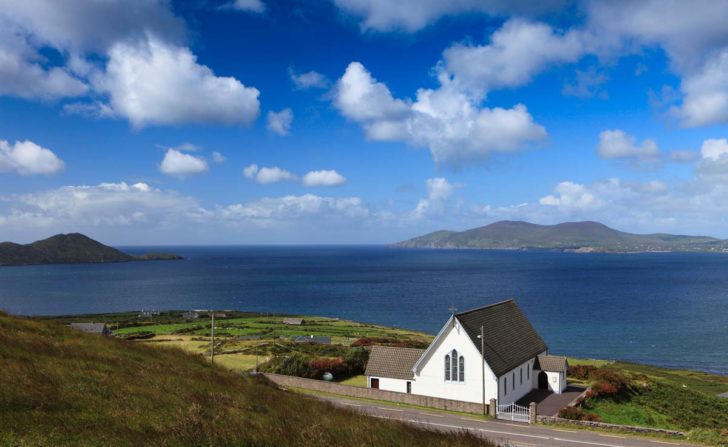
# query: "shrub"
{"points": [[356, 359], [581, 372], [337, 367], [610, 384], [293, 365], [577, 414], [370, 341]]}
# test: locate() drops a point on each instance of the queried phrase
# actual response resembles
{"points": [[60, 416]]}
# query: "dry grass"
{"points": [[59, 387]]}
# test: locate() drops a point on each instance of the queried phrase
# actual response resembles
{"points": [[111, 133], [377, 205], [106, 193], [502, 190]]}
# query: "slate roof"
{"points": [[510, 340], [389, 361], [551, 363]]}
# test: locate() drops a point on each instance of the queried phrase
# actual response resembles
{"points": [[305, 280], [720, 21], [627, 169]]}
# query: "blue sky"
{"points": [[358, 121]]}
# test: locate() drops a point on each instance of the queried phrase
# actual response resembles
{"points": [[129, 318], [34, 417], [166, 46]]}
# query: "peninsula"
{"points": [[73, 248], [581, 237]]}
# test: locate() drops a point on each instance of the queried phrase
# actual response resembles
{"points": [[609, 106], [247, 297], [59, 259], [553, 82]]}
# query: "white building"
{"points": [[513, 361]]}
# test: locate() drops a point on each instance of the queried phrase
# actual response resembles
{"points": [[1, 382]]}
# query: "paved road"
{"points": [[502, 432]]}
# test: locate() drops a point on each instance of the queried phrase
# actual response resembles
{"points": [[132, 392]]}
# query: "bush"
{"points": [[293, 365], [356, 359], [577, 414], [581, 372], [337, 367], [610, 384], [381, 341]]}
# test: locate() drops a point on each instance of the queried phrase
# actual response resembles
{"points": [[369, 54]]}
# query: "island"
{"points": [[73, 248], [580, 237]]}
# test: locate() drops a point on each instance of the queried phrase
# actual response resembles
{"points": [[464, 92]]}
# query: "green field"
{"points": [[59, 387]]}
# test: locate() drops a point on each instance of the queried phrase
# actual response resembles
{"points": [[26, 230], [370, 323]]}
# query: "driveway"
{"points": [[548, 403]]}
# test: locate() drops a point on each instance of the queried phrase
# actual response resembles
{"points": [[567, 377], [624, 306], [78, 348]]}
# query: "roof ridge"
{"points": [[485, 307]]}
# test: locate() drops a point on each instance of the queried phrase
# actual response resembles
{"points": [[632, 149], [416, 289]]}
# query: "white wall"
{"points": [[557, 381], [430, 378], [507, 391], [388, 384]]}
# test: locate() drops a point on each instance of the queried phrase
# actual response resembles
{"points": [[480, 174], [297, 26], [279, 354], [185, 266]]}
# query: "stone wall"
{"points": [[371, 393], [630, 428]]}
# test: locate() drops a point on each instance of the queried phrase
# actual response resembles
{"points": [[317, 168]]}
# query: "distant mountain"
{"points": [[74, 248], [568, 236]]}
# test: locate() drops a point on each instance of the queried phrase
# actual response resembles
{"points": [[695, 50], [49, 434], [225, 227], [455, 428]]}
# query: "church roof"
{"points": [[551, 363], [510, 340], [389, 361]]}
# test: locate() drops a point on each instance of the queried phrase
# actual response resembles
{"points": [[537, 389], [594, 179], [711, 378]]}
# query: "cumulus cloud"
{"points": [[181, 164], [617, 144], [323, 178], [267, 175], [22, 73], [28, 158], [152, 82], [446, 121], [308, 80], [412, 15], [280, 122], [439, 191], [569, 195], [274, 174], [517, 51], [217, 157], [295, 207]]}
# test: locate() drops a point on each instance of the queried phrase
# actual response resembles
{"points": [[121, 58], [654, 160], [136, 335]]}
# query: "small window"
{"points": [[520, 370], [514, 381], [447, 367], [462, 369], [505, 386], [528, 371]]}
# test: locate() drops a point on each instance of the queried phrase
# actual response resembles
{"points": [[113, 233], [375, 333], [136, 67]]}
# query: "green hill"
{"points": [[59, 387], [569, 236], [74, 248]]}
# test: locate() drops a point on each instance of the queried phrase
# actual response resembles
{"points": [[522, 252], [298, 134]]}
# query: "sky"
{"points": [[157, 122]]}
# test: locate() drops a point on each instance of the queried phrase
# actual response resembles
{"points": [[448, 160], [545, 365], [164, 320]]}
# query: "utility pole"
{"points": [[212, 338], [482, 363]]}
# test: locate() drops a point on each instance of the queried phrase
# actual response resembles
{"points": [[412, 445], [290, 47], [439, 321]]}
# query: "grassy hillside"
{"points": [[74, 248], [582, 236], [658, 397], [60, 387]]}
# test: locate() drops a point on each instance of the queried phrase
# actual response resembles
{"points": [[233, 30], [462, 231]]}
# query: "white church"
{"points": [[492, 348]]}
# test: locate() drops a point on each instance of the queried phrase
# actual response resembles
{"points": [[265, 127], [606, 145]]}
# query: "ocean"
{"points": [[668, 309]]}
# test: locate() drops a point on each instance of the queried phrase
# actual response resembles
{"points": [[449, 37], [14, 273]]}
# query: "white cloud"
{"points": [[323, 178], [307, 80], [412, 15], [439, 191], [616, 144], [151, 82], [295, 207], [570, 196], [706, 93], [586, 84], [72, 208], [217, 157], [256, 6], [446, 121], [267, 175], [78, 26], [714, 149], [181, 164], [517, 51], [280, 122], [27, 158], [22, 72]]}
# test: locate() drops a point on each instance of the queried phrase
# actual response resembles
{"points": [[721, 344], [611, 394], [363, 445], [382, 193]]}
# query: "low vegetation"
{"points": [[59, 387], [631, 394]]}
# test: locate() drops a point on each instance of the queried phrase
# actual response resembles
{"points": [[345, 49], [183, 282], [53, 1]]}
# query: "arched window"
{"points": [[454, 374], [514, 381], [447, 367], [462, 368], [528, 371], [505, 386]]}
